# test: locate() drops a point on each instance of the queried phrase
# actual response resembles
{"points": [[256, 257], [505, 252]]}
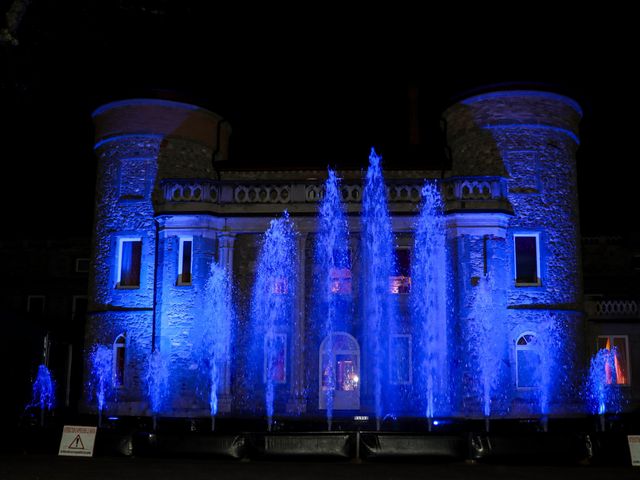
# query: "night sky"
{"points": [[299, 88]]}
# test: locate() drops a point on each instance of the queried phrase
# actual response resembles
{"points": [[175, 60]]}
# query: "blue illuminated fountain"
{"points": [[378, 306], [429, 305], [216, 333], [157, 377], [486, 332], [332, 296], [100, 380], [272, 305], [43, 392], [550, 347], [602, 392]]}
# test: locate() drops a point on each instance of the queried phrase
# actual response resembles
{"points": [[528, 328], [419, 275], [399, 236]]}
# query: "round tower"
{"points": [[138, 143], [525, 143]]}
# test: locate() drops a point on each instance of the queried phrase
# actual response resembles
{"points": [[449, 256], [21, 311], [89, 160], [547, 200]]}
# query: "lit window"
{"points": [[129, 262], [78, 307], [400, 359], [185, 256], [35, 304], [527, 361], [347, 379], [280, 286], [400, 281], [527, 259], [340, 274], [82, 265], [118, 361], [340, 371], [275, 357], [618, 373]]}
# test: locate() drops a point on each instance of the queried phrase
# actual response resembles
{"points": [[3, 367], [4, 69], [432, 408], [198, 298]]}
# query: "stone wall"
{"points": [[530, 138], [138, 144]]}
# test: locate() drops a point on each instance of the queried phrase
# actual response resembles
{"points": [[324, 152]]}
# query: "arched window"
{"points": [[339, 372], [527, 361], [118, 361]]}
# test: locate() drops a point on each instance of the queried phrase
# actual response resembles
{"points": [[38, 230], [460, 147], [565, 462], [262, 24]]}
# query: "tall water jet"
{"points": [[332, 283], [43, 392], [157, 377], [378, 307], [272, 306], [486, 335], [551, 346], [101, 379], [216, 333], [428, 303], [601, 391]]}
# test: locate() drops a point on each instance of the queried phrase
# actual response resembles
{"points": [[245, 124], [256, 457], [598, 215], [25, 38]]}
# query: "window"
{"points": [[280, 286], [400, 281], [527, 361], [82, 265], [275, 357], [527, 259], [346, 373], [118, 361], [185, 256], [129, 262], [620, 343], [400, 359], [35, 304], [340, 274], [339, 372], [78, 307]]}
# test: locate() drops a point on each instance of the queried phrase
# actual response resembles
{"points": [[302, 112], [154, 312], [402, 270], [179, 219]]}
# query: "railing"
{"points": [[476, 193], [460, 193], [475, 188], [352, 193], [612, 309], [191, 190], [262, 194]]}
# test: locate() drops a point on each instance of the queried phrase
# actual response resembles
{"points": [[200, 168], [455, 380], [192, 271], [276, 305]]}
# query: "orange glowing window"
{"points": [[340, 272], [340, 279], [400, 281], [618, 373], [280, 286]]}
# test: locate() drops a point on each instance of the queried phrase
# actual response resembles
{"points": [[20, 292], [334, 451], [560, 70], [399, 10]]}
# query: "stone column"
{"points": [[226, 241], [476, 246], [297, 401]]}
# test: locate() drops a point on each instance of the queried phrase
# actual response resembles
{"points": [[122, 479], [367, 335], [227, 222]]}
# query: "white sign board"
{"points": [[634, 448], [77, 441]]}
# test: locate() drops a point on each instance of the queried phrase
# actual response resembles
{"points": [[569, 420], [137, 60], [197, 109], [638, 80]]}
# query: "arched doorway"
{"points": [[339, 370]]}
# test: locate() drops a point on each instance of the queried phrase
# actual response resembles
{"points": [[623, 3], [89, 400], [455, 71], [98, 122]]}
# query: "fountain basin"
{"points": [[417, 446], [176, 444], [531, 448], [307, 444]]}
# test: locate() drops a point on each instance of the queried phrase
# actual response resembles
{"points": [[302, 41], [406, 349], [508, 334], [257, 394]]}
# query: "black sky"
{"points": [[307, 88]]}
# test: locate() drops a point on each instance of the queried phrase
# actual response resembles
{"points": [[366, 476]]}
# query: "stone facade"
{"points": [[164, 175]]}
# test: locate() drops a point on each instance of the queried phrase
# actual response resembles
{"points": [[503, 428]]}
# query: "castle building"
{"points": [[170, 202]]}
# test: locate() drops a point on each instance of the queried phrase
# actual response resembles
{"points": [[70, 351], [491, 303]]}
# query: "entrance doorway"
{"points": [[339, 372]]}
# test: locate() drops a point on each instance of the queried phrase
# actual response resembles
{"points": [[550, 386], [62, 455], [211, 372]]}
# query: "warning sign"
{"points": [[77, 441], [634, 448]]}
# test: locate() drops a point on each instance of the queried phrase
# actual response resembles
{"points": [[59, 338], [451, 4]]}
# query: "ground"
{"points": [[32, 467]]}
